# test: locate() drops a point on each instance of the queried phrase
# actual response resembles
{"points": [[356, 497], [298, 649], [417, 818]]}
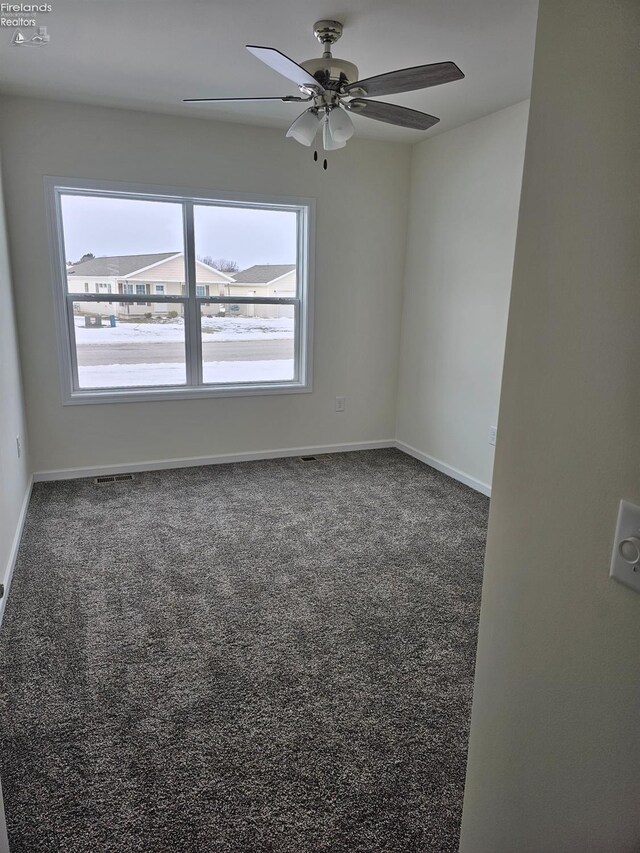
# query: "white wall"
{"points": [[465, 192], [14, 472], [361, 229], [554, 760]]}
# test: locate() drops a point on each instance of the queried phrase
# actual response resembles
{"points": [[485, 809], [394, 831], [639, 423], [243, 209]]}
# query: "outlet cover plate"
{"points": [[628, 525]]}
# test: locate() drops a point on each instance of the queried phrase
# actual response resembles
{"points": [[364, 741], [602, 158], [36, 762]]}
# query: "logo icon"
{"points": [[40, 38]]}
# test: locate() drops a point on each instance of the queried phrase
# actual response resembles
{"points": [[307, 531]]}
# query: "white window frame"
{"points": [[72, 394]]}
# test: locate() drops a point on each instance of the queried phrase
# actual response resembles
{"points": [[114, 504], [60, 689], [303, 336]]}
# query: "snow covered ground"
{"points": [[131, 375], [213, 329]]}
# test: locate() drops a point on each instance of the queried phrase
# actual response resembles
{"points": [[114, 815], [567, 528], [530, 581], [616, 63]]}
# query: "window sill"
{"points": [[147, 395]]}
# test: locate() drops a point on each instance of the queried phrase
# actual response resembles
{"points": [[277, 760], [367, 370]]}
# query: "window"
{"points": [[141, 289], [214, 328]]}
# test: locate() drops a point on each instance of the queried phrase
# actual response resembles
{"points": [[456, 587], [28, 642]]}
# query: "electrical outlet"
{"points": [[340, 404], [18, 446], [493, 432], [625, 559]]}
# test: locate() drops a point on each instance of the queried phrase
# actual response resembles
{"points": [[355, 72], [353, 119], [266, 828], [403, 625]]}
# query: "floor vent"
{"points": [[113, 478], [308, 458]]}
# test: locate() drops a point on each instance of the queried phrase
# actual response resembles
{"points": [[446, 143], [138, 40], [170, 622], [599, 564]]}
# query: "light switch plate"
{"points": [[628, 528]]}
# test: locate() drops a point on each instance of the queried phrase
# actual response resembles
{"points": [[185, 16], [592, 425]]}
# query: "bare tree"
{"points": [[222, 264]]}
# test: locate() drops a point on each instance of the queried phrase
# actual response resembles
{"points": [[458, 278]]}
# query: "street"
{"points": [[91, 355]]}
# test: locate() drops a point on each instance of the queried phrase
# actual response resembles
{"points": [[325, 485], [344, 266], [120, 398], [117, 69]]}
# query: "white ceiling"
{"points": [[149, 54]]}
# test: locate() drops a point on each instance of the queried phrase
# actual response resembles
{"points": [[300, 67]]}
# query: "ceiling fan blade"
{"points": [[392, 114], [285, 66], [231, 100], [408, 79]]}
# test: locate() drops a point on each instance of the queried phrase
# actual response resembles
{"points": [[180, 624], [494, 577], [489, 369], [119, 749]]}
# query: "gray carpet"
{"points": [[266, 656]]}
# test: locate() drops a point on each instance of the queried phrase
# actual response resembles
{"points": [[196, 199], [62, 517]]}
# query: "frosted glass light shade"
{"points": [[328, 142], [340, 125], [305, 127]]}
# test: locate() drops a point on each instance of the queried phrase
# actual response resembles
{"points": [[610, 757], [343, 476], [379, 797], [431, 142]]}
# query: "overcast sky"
{"points": [[106, 226]]}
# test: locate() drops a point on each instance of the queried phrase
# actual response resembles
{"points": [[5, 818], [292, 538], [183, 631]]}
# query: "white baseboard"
{"points": [[478, 485], [192, 461], [280, 453], [15, 545]]}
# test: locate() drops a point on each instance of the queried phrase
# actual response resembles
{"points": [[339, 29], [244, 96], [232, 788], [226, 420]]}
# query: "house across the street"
{"points": [[163, 274], [264, 280], [160, 274]]}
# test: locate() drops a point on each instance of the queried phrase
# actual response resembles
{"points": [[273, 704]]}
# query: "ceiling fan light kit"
{"points": [[332, 87], [340, 125], [329, 142], [305, 127]]}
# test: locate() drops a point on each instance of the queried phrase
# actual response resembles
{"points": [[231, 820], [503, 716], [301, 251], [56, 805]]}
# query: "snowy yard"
{"points": [[235, 349], [130, 375], [172, 331]]}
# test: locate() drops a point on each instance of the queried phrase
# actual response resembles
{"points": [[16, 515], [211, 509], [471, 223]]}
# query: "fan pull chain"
{"points": [[325, 163]]}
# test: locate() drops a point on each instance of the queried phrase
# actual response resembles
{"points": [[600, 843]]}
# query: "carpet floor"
{"points": [[262, 656]]}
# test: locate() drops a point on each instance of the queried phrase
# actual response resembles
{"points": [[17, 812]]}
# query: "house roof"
{"points": [[263, 273], [118, 265], [125, 266]]}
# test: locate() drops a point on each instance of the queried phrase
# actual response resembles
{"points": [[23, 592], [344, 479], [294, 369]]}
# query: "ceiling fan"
{"points": [[333, 90]]}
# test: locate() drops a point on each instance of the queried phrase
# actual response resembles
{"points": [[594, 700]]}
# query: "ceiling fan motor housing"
{"points": [[330, 72]]}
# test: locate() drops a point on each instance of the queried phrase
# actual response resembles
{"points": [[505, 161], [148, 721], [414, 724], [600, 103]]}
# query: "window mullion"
{"points": [[193, 338], [114, 296], [250, 300]]}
